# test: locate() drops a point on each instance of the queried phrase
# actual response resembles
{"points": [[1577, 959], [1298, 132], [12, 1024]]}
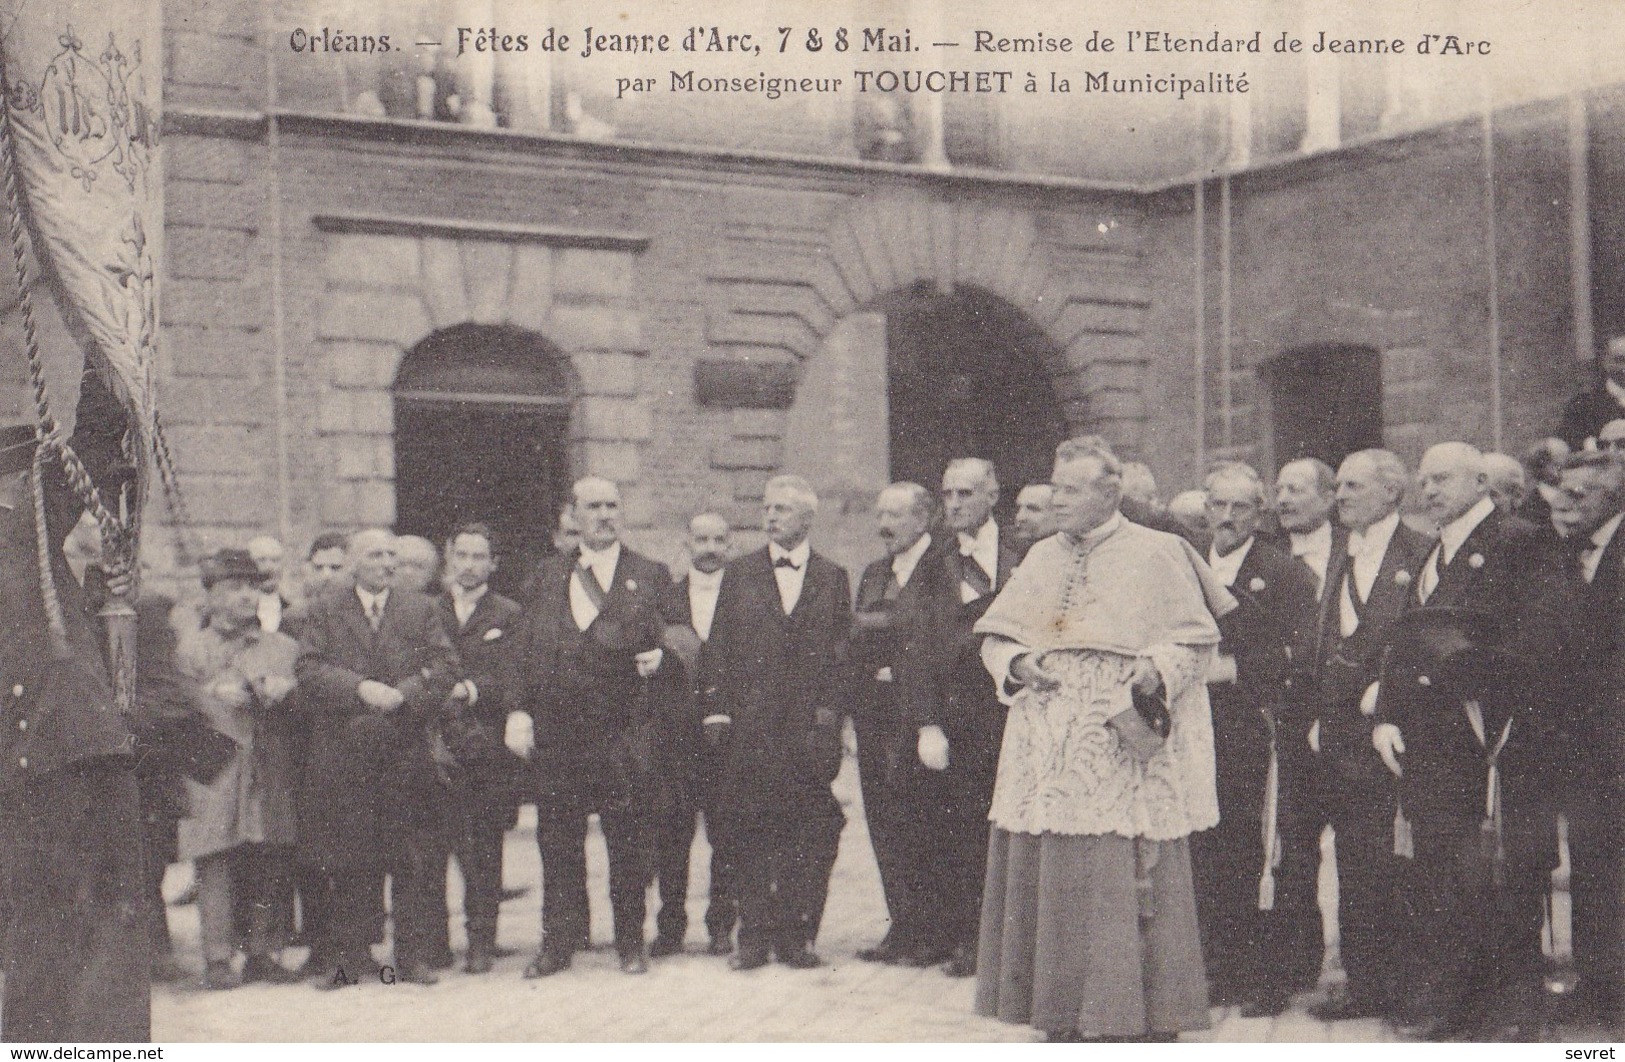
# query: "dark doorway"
{"points": [[481, 421], [1327, 402], [969, 378]]}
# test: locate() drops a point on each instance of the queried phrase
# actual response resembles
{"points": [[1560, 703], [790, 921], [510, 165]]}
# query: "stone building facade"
{"points": [[379, 313]]}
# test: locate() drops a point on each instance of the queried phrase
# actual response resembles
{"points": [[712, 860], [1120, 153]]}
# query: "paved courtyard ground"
{"points": [[693, 997]]}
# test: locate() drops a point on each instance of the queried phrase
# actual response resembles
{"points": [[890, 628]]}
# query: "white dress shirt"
{"points": [[601, 562], [790, 580], [1451, 537], [703, 588], [1314, 548], [373, 605], [1591, 560], [983, 548], [1228, 566], [269, 611], [1366, 550], [903, 565], [464, 602]]}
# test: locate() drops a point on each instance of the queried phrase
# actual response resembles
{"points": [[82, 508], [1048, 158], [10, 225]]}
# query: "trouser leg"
{"points": [[674, 839], [262, 872], [418, 907], [758, 850], [76, 958], [722, 903], [1295, 930], [561, 834], [627, 837], [157, 834], [215, 906], [810, 844], [479, 858], [1596, 854], [1363, 818], [886, 815]]}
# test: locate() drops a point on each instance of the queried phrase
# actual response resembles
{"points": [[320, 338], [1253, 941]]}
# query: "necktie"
{"points": [[375, 614], [786, 562], [1430, 574]]}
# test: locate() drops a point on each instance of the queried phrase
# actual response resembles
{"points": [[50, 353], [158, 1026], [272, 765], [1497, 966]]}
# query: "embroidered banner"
{"points": [[84, 79]]}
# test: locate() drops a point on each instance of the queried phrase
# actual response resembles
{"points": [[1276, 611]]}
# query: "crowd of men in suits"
{"points": [[1438, 686]]}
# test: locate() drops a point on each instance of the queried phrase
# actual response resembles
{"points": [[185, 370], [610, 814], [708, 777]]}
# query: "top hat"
{"points": [[230, 564], [1455, 650]]}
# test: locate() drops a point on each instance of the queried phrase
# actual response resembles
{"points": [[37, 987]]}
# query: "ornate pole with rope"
{"points": [[119, 540]]}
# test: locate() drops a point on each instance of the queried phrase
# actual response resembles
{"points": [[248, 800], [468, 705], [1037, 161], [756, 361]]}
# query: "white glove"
{"points": [[1314, 736], [465, 690], [1223, 669], [1390, 745], [933, 748], [378, 695], [520, 734], [1368, 700], [649, 661]]}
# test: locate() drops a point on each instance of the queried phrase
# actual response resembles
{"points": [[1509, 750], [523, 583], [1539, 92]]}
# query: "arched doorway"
{"points": [[481, 420], [1325, 401], [913, 380], [968, 376]]}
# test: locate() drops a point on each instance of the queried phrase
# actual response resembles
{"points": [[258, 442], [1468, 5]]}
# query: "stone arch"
{"points": [[389, 288], [1074, 273]]}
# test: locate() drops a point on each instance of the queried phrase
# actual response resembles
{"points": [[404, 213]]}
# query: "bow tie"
{"points": [[786, 562]]}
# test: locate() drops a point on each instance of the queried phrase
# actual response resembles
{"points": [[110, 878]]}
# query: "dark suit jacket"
{"points": [[1342, 668], [1504, 571], [897, 634], [1586, 414], [485, 655], [1594, 738], [592, 712], [1277, 604], [685, 763], [949, 677], [370, 779], [66, 705], [780, 680]]}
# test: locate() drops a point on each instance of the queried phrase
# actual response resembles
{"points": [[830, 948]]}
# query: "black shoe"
{"points": [[719, 946], [168, 970], [664, 946], [546, 964], [417, 973], [802, 958], [1346, 1009], [479, 960], [262, 969], [963, 964], [750, 957], [218, 976], [1270, 1005], [926, 955], [633, 962], [886, 951]]}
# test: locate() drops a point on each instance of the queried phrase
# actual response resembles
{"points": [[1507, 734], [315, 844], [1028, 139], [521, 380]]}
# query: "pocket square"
{"points": [[493, 634]]}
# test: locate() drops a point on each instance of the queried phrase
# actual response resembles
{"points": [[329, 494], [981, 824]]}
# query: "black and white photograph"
{"points": [[716, 521]]}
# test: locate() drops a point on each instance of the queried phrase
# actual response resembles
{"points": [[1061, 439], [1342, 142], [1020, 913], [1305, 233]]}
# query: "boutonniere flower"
{"points": [[493, 634], [632, 584], [1402, 577], [1256, 585], [1476, 561]]}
